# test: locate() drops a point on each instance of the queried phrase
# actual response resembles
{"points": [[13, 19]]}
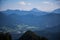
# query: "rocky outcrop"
{"points": [[5, 36], [29, 35]]}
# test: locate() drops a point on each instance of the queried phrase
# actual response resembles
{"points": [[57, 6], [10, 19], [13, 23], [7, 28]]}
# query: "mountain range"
{"points": [[34, 11], [38, 21], [34, 17]]}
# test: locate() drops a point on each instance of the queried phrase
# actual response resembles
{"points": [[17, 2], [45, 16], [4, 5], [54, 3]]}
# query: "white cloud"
{"points": [[18, 32], [32, 27], [44, 5], [29, 3], [47, 6], [22, 3], [46, 2]]}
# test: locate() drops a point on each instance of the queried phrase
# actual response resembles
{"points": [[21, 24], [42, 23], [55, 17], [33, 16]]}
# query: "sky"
{"points": [[43, 5]]}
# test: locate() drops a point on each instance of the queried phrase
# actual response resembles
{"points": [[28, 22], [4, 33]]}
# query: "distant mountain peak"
{"points": [[12, 10], [9, 10], [35, 10]]}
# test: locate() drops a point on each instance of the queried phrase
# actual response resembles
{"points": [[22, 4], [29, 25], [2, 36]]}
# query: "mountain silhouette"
{"points": [[56, 11], [35, 10], [44, 21], [29, 35], [5, 36]]}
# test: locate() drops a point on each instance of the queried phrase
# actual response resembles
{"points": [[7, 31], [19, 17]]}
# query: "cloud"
{"points": [[29, 3], [48, 6], [46, 2], [31, 27], [24, 3], [18, 32]]}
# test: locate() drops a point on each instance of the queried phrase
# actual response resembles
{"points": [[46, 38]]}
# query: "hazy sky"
{"points": [[44, 5]]}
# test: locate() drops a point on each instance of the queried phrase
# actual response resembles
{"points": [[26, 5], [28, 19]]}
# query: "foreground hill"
{"points": [[29, 35], [5, 36]]}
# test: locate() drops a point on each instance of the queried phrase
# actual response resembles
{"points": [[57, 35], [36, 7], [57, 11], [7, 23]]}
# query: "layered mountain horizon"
{"points": [[34, 17], [18, 22], [34, 9]]}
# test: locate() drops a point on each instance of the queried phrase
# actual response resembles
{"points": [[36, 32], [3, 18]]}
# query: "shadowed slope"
{"points": [[5, 36], [29, 35]]}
